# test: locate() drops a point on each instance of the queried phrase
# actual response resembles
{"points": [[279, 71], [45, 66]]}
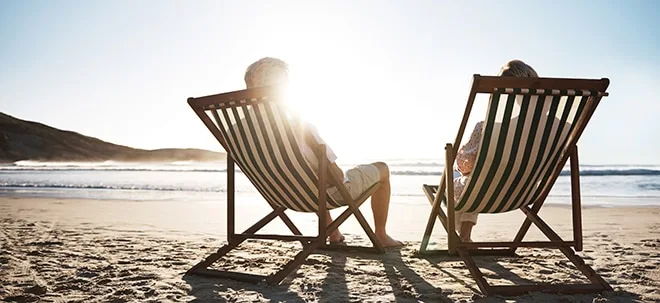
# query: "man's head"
{"points": [[517, 68], [267, 71]]}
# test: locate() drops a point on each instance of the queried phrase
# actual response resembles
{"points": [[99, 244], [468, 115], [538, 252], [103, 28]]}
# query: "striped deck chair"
{"points": [[258, 134], [531, 129]]}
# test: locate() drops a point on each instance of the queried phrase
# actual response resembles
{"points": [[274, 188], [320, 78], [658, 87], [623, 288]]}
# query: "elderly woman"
{"points": [[467, 154], [272, 71]]}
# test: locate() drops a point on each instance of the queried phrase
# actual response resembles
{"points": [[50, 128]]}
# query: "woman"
{"points": [[467, 154]]}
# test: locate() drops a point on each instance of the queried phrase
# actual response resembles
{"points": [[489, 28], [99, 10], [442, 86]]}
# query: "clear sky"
{"points": [[380, 79]]}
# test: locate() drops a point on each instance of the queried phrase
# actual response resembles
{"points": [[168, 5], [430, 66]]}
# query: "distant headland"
{"points": [[27, 140]]}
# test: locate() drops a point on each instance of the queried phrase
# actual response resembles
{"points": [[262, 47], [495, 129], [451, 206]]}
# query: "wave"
{"points": [[583, 173], [14, 188], [616, 172], [116, 169], [401, 168], [103, 187], [649, 186]]}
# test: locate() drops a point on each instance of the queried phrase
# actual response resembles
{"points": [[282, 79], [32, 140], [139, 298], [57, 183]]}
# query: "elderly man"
{"points": [[272, 71]]}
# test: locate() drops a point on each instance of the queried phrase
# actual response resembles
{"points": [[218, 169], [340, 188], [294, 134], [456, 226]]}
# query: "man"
{"points": [[272, 71]]}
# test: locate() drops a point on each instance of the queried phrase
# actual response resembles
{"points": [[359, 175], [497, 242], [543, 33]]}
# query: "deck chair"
{"points": [[531, 129], [257, 132]]}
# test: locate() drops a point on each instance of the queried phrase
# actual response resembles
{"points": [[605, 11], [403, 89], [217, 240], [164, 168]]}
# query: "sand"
{"points": [[74, 250]]}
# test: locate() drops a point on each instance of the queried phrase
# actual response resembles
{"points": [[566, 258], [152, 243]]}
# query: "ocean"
{"points": [[601, 185]]}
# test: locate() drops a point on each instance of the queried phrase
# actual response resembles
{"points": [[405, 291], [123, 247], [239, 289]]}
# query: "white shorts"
{"points": [[459, 186], [357, 180]]}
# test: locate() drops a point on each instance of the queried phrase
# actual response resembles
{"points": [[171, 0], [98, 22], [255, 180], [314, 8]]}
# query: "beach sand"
{"points": [[76, 250]]}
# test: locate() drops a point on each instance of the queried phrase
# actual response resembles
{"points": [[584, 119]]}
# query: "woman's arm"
{"points": [[467, 154]]}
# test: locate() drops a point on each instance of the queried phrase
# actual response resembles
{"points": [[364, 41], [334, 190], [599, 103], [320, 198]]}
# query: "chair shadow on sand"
{"points": [[393, 277], [495, 270], [334, 276]]}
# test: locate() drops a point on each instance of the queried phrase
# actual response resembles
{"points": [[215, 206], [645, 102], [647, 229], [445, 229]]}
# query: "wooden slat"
{"points": [[322, 190], [275, 237], [575, 194], [231, 205], [486, 84], [428, 191], [452, 238], [474, 270], [200, 102]]}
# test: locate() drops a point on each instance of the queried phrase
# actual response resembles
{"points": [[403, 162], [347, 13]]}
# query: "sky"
{"points": [[380, 79]]}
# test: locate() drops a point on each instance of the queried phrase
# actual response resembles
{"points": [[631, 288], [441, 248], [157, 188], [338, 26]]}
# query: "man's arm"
{"points": [[336, 172]]}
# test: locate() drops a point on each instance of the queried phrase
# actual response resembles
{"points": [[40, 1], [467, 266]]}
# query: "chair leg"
{"points": [[524, 228], [575, 198], [477, 275], [466, 255], [354, 209], [210, 259], [591, 274], [287, 221], [233, 244], [436, 211], [473, 251], [222, 251], [429, 227], [367, 229]]}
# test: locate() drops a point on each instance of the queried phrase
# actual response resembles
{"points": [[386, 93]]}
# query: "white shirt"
{"points": [[307, 150]]}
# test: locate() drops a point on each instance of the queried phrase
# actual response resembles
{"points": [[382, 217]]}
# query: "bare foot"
{"points": [[387, 241], [336, 237]]}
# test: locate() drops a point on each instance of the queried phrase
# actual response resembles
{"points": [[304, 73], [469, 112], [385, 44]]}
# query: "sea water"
{"points": [[601, 185]]}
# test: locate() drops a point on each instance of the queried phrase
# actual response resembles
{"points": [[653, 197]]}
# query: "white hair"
{"points": [[266, 71], [517, 68]]}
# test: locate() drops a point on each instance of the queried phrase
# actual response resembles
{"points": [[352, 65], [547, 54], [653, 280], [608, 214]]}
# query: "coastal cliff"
{"points": [[27, 140]]}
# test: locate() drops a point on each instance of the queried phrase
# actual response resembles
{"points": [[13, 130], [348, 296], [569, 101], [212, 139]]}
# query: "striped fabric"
{"points": [[525, 134], [261, 139]]}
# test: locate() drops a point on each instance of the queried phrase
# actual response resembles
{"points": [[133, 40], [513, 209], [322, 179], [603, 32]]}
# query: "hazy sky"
{"points": [[380, 79]]}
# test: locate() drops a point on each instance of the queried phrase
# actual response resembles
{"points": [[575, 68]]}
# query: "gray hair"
{"points": [[266, 71], [517, 68]]}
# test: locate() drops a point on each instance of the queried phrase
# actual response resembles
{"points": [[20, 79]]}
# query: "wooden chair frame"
{"points": [[444, 193], [309, 243]]}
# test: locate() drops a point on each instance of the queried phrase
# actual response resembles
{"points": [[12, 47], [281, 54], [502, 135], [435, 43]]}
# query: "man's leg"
{"points": [[380, 204], [335, 236]]}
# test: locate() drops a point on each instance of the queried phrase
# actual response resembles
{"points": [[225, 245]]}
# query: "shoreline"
{"points": [[105, 250], [97, 194]]}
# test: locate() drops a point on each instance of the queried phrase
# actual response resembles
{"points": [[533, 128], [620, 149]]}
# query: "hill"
{"points": [[27, 140]]}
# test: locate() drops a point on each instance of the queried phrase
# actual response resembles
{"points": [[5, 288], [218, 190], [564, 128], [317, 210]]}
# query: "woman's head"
{"points": [[517, 68], [267, 71]]}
